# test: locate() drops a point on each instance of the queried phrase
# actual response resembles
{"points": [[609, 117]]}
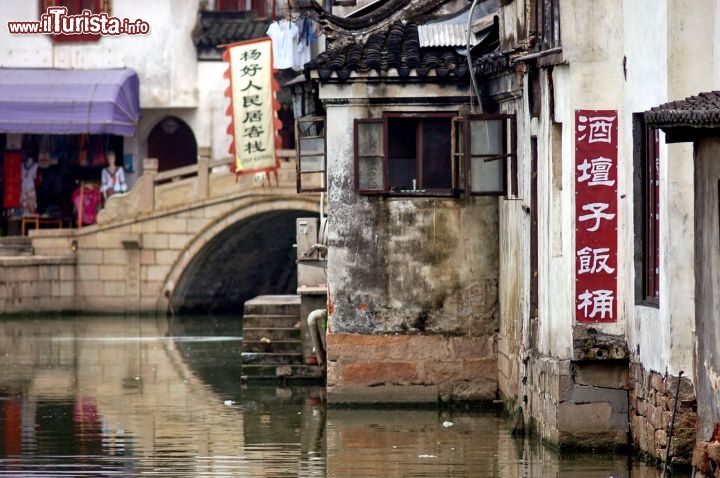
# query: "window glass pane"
{"points": [[312, 145], [437, 170], [370, 172], [486, 137], [486, 176], [311, 164], [313, 181], [370, 139]]}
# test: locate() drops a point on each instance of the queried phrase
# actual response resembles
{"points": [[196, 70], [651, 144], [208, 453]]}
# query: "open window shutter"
{"points": [[311, 154], [459, 166], [490, 146], [370, 164]]}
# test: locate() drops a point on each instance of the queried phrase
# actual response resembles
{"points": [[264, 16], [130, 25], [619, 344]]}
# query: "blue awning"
{"points": [[54, 101]]}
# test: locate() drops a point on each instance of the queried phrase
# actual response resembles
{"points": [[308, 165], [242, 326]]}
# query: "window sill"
{"points": [[411, 194], [652, 303]]}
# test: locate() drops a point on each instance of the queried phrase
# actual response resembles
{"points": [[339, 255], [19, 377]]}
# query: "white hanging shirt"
{"points": [[284, 35]]}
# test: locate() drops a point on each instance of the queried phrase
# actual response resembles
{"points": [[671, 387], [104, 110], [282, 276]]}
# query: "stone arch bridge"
{"points": [[193, 239]]}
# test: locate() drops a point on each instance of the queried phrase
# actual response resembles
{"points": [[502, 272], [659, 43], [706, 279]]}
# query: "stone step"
{"points": [[286, 321], [16, 246], [273, 305], [276, 346], [272, 333], [263, 358], [265, 372]]}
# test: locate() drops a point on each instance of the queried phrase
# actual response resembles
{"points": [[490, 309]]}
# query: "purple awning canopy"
{"points": [[53, 101]]}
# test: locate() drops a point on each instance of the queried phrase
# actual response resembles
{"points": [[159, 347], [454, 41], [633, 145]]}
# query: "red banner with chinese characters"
{"points": [[253, 106], [596, 157]]}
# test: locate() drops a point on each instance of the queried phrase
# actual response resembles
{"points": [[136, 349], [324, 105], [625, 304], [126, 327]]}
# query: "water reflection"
{"points": [[117, 396]]}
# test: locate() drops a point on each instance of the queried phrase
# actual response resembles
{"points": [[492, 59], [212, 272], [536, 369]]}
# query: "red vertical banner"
{"points": [[596, 208]]}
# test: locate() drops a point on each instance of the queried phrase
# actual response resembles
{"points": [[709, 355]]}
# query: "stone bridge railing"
{"points": [[190, 185]]}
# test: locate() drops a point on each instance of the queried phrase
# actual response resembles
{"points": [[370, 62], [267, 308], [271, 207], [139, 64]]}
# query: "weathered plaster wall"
{"points": [[405, 264], [423, 267], [707, 230]]}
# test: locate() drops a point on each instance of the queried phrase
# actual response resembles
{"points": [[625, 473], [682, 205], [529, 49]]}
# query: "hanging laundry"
{"points": [[283, 34], [306, 37]]}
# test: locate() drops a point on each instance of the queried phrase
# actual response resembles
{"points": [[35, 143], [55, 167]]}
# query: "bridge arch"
{"points": [[243, 253]]}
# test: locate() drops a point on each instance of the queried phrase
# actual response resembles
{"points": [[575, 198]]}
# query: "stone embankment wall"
{"points": [[410, 368], [652, 400], [37, 284], [706, 457], [575, 404]]}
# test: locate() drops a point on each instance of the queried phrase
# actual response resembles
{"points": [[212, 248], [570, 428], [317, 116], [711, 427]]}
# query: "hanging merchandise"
{"points": [[100, 155], [28, 197], [12, 180], [44, 151], [86, 201], [82, 156]]}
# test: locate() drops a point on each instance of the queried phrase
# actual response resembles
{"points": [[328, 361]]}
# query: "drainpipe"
{"points": [[473, 81], [313, 321]]}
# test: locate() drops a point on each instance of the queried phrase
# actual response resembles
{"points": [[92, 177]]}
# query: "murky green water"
{"points": [[130, 397]]}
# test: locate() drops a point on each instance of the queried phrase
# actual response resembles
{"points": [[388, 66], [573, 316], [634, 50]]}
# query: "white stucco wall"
{"points": [[164, 59], [628, 56], [665, 63]]}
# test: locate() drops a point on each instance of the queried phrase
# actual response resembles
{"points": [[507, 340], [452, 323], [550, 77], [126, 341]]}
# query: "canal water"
{"points": [[132, 397]]}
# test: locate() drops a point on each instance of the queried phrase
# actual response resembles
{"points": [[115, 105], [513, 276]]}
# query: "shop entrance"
{"points": [[44, 178]]}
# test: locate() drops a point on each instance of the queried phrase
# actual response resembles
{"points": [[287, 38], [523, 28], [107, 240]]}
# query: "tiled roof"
{"points": [[701, 111], [222, 28], [397, 48]]}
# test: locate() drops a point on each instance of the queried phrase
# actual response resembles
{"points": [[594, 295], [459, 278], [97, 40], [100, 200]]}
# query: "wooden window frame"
{"points": [[459, 161], [647, 216], [508, 156], [301, 134]]}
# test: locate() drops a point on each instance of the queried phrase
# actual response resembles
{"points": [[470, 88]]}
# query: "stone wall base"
{"points": [[577, 404], [652, 399], [405, 369], [37, 284]]}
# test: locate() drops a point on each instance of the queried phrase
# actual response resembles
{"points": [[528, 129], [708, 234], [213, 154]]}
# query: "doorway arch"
{"points": [[173, 143]]}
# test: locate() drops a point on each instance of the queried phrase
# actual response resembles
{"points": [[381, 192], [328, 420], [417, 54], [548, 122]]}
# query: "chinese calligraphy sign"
{"points": [[596, 209], [253, 106]]}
